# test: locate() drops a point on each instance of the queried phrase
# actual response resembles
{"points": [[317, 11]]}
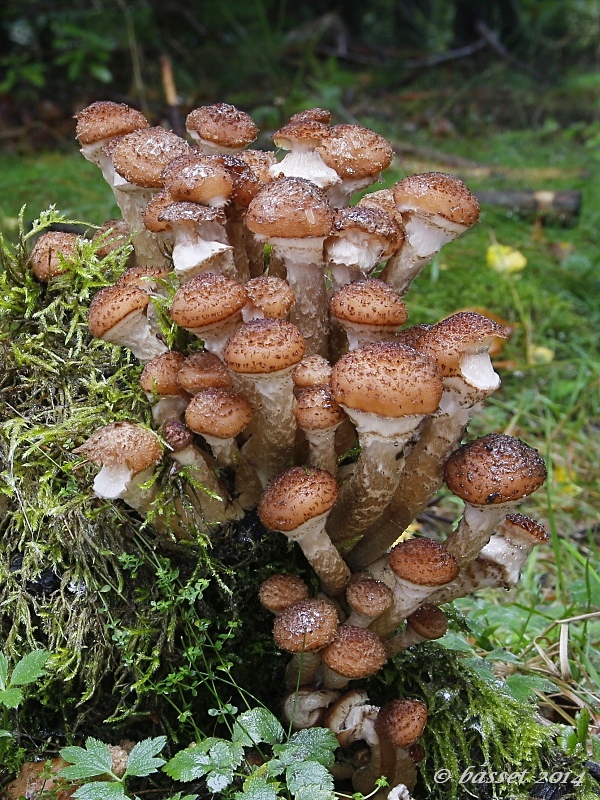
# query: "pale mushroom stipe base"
{"points": [[274, 393]]}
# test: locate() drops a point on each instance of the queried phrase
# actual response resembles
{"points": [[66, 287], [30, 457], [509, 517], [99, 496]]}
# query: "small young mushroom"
{"points": [[420, 566], [306, 706], [201, 370], [369, 311], [425, 624], [319, 417], [354, 653], [302, 138], [492, 475], [313, 370], [219, 416], [367, 599], [52, 253], [269, 297], [119, 315], [297, 503], [159, 383], [221, 128], [280, 591]]}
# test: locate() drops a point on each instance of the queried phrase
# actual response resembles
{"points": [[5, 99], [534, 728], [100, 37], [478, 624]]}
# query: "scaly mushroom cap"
{"points": [[313, 370], [402, 721], [145, 278], [176, 435], [218, 412], [449, 340], [317, 410], [105, 120], [354, 652], [290, 208], [159, 376], [382, 199], [518, 526], [246, 183], [203, 371], [281, 591], [44, 258], [123, 443], [438, 193], [370, 302], [112, 304], [411, 335], [305, 626], [222, 124], [388, 379], [494, 469], [371, 222], [154, 209], [141, 156], [303, 131], [271, 295], [355, 152], [321, 115], [423, 562], [206, 299], [369, 597], [262, 346], [260, 162], [180, 211], [113, 234], [428, 621], [195, 178], [295, 496]]}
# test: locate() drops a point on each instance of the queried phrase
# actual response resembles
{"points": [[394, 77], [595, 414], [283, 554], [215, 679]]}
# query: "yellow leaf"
{"points": [[502, 258]]}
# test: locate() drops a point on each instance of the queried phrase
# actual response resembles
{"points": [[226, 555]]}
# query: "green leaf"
{"points": [[11, 697], [142, 761], [305, 774], [192, 763], [256, 726], [3, 672], [101, 790], [258, 789], [313, 792], [5, 734], [316, 744], [219, 779], [29, 668], [93, 760], [524, 687]]}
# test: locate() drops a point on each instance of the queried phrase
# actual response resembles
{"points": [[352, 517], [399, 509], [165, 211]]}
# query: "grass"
{"points": [[548, 628]]}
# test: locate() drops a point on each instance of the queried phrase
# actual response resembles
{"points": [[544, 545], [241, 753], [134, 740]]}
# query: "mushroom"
{"points": [[319, 417], [386, 389], [354, 653], [280, 591], [159, 383], [262, 354], [297, 503], [369, 311], [268, 297], [367, 599], [492, 475], [221, 128], [306, 706], [425, 624], [52, 254], [420, 567], [119, 314], [303, 629], [302, 138], [313, 370], [201, 370], [219, 415], [294, 217], [102, 121], [436, 208]]}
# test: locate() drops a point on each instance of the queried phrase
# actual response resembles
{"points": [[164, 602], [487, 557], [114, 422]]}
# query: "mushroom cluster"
{"points": [[292, 300]]}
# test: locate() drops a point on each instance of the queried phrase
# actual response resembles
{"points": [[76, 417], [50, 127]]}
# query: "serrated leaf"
{"points": [[93, 760], [29, 668], [314, 793], [256, 726], [317, 744], [258, 789], [5, 734], [10, 698], [524, 687], [308, 773], [142, 760], [226, 755], [219, 779], [191, 763], [3, 671], [101, 790]]}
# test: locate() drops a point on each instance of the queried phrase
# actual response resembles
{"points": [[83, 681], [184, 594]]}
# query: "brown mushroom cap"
{"points": [[313, 370], [195, 178], [438, 193], [44, 258], [354, 652], [369, 597], [447, 341], [315, 114], [281, 591], [143, 277], [402, 721], [141, 156], [218, 412], [176, 435], [316, 409], [428, 621], [263, 346], [112, 304], [371, 302], [355, 152], [246, 183], [386, 378], [260, 162], [203, 371], [494, 469], [105, 119], [522, 527], [290, 208], [302, 131], [182, 211], [305, 626], [113, 234], [123, 442], [159, 376], [222, 124], [272, 295], [423, 562], [296, 496], [373, 222], [154, 208], [382, 199], [206, 299]]}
